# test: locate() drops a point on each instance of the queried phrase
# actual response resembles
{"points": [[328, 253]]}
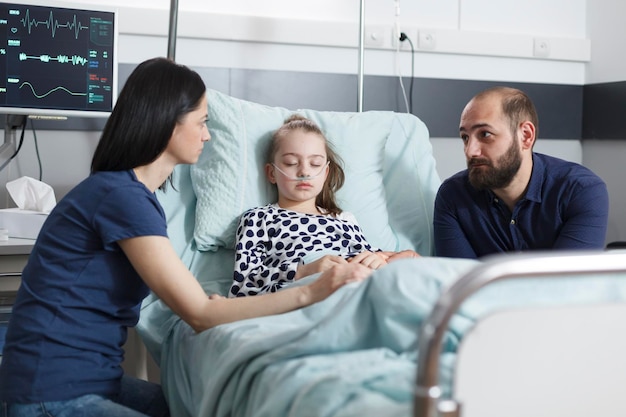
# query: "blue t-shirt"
{"points": [[79, 293], [565, 207]]}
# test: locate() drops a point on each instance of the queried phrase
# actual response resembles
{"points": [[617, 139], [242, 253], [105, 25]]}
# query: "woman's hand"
{"points": [[372, 260], [335, 278], [322, 264]]}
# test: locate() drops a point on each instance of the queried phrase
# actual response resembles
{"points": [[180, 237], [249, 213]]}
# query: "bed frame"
{"points": [[592, 382]]}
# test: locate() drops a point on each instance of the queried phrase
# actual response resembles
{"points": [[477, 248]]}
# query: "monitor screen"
{"points": [[57, 60]]}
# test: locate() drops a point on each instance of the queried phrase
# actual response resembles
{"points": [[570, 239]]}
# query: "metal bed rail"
{"points": [[427, 398]]}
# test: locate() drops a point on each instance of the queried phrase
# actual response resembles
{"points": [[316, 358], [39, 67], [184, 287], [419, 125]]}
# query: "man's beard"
{"points": [[490, 177]]}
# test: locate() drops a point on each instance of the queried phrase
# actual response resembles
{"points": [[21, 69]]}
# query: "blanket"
{"points": [[353, 354], [360, 342]]}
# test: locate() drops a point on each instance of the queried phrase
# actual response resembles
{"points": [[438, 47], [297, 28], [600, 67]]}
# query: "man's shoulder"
{"points": [[455, 182], [457, 178], [562, 170]]}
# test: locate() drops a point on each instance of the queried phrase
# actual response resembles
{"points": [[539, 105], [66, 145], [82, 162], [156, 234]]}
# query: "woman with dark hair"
{"points": [[104, 247]]}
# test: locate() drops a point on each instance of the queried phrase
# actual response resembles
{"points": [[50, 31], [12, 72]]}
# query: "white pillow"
{"points": [[387, 160]]}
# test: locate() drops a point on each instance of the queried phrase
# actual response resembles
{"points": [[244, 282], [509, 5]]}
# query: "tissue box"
{"points": [[23, 224]]}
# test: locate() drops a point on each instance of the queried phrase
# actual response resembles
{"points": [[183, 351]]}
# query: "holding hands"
{"points": [[371, 260], [393, 256], [375, 260]]}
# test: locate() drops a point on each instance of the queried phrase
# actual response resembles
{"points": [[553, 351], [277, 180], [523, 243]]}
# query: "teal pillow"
{"points": [[390, 172]]}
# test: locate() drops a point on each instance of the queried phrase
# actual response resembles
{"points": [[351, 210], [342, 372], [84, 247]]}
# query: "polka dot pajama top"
{"points": [[272, 241]]}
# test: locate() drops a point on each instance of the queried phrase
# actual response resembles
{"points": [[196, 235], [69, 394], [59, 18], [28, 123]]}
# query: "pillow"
{"points": [[387, 161]]}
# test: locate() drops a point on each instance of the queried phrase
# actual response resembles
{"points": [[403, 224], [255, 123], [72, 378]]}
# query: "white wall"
{"points": [[472, 36], [65, 160], [606, 29], [605, 26]]}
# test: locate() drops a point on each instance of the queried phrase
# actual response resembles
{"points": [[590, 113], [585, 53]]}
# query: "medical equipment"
{"points": [[303, 177], [57, 62]]}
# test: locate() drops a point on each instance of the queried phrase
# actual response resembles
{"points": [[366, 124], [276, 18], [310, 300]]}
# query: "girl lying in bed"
{"points": [[274, 241]]}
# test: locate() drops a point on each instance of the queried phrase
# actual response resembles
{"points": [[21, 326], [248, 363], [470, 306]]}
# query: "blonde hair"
{"points": [[336, 177]]}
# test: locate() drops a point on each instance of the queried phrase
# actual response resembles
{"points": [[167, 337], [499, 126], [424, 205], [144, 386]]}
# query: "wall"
{"points": [[283, 35], [475, 40], [604, 147], [605, 25]]}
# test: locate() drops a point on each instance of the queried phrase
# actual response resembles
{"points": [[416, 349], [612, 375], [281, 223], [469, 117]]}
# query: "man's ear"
{"points": [[528, 131], [269, 173]]}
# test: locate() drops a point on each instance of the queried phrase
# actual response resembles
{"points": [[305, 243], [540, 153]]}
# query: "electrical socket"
{"points": [[541, 48], [404, 45], [375, 36], [427, 40]]}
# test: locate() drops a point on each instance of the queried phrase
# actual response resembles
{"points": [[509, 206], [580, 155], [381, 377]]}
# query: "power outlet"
{"points": [[427, 40], [375, 37], [404, 45], [541, 48]]}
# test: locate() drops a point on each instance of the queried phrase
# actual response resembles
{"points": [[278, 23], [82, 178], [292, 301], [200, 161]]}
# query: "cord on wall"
{"points": [[404, 37], [397, 36], [32, 126]]}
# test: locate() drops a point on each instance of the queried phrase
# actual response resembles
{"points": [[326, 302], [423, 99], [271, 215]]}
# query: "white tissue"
{"points": [[30, 194]]}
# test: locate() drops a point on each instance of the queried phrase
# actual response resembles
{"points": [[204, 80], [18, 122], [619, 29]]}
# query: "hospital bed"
{"points": [[358, 353]]}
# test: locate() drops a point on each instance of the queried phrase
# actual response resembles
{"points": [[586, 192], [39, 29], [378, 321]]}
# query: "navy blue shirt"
{"points": [[79, 293], [565, 207]]}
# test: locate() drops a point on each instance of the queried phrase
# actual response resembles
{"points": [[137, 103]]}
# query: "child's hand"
{"points": [[372, 260], [392, 256], [322, 264]]}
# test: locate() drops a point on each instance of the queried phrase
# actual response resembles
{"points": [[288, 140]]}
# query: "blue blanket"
{"points": [[360, 342], [353, 354]]}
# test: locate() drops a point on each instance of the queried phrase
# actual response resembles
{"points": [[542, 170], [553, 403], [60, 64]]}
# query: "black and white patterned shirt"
{"points": [[272, 241]]}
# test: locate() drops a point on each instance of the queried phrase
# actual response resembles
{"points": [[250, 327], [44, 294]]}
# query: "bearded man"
{"points": [[511, 199]]}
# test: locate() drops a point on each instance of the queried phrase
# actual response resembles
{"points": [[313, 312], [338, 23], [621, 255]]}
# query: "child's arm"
{"points": [[253, 273]]}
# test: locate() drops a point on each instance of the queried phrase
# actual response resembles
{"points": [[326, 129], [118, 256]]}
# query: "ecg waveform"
{"points": [[52, 24], [72, 93], [62, 59]]}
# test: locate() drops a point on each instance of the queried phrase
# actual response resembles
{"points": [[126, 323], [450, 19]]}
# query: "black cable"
{"points": [[404, 37], [19, 146], [32, 126]]}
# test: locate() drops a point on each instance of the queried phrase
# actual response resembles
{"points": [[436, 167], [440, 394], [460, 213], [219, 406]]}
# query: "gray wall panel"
{"points": [[296, 90], [437, 102], [605, 111]]}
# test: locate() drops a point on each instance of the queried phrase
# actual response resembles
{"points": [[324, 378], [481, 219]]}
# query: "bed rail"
{"points": [[427, 398]]}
